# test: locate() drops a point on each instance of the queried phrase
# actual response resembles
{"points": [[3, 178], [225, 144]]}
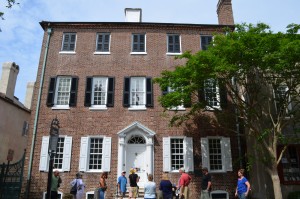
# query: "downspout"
{"points": [[49, 31]]}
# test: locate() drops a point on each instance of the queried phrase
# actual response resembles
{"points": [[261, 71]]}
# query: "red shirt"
{"points": [[184, 179]]}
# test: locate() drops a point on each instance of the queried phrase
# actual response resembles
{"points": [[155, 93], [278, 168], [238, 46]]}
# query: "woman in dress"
{"points": [[102, 185], [243, 186], [166, 187], [80, 186]]}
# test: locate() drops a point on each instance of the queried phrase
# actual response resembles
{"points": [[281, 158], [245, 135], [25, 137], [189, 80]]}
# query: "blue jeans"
{"points": [[242, 196], [101, 194]]}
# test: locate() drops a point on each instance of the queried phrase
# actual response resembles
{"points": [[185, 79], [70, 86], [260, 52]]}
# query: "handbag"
{"points": [[73, 190]]}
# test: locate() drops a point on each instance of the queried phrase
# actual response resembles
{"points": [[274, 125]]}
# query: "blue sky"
{"points": [[21, 36]]}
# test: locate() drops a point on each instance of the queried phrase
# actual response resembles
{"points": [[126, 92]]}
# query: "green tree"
{"points": [[260, 71]]}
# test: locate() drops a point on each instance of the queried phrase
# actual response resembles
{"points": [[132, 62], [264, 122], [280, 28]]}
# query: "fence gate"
{"points": [[11, 179]]}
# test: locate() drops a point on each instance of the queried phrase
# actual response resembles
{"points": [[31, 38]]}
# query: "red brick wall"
{"points": [[80, 121]]}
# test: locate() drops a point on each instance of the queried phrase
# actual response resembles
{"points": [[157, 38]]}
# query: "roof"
{"points": [[14, 102]]}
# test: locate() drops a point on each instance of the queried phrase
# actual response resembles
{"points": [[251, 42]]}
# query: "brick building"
{"points": [[97, 79]]}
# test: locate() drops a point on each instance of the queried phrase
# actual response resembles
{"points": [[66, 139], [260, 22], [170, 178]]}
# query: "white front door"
{"points": [[136, 158]]}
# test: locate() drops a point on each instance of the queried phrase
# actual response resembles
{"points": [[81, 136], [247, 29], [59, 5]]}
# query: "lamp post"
{"points": [[54, 134]]}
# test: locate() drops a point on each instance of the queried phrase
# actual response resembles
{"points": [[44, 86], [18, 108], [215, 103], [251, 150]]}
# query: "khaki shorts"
{"points": [[133, 192]]}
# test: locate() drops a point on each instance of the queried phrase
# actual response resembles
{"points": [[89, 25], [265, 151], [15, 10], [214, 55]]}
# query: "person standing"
{"points": [[80, 186], [102, 185], [55, 183], [166, 187], [243, 185], [205, 184], [133, 180], [122, 182], [150, 188], [183, 184]]}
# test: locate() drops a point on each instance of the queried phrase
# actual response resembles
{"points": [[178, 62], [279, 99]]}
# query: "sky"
{"points": [[21, 36]]}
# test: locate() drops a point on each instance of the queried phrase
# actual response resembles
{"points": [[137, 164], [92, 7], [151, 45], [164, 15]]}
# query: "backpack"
{"points": [[73, 190]]}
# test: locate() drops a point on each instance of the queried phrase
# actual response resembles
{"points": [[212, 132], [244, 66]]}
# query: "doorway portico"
{"points": [[136, 150]]}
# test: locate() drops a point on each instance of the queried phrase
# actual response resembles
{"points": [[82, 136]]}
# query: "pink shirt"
{"points": [[184, 179]]}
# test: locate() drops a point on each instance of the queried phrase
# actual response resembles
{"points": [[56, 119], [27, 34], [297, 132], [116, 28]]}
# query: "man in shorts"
{"points": [[133, 180]]}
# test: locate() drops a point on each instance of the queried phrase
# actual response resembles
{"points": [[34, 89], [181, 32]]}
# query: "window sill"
{"points": [[101, 53], [177, 109], [60, 108], [208, 108], [98, 108], [173, 54], [136, 108], [138, 53], [67, 52]]}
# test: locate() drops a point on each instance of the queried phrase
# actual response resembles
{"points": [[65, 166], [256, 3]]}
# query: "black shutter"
{"points": [[73, 92], [110, 92], [51, 92], [223, 94], [149, 92], [88, 92], [126, 94]]}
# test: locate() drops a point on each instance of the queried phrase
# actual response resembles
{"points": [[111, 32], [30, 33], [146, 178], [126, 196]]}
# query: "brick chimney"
{"points": [[29, 94], [133, 15], [8, 79], [224, 11]]}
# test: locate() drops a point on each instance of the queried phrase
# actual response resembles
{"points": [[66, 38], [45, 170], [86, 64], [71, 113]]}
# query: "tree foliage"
{"points": [[9, 4], [260, 71]]}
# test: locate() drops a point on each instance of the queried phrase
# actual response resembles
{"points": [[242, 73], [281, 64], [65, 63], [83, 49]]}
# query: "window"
{"points": [[283, 100], [212, 94], [138, 43], [219, 194], [69, 41], [25, 128], [90, 195], [62, 158], [95, 154], [174, 43], [59, 196], [205, 41], [289, 167], [99, 92], [62, 91], [138, 92], [177, 153], [216, 154], [103, 42], [180, 107]]}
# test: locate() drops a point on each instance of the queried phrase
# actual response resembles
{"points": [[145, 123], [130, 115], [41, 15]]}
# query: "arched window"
{"points": [[136, 139]]}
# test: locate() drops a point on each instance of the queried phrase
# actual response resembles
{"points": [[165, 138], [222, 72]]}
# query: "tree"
{"points": [[260, 71], [10, 3]]}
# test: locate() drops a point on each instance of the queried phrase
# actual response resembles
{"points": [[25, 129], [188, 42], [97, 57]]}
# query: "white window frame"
{"points": [[276, 93], [145, 48], [64, 106], [143, 105], [89, 193], [102, 52], [177, 108], [62, 44], [225, 150], [187, 150], [59, 193], [180, 46], [101, 106], [44, 155], [85, 152], [217, 95]]}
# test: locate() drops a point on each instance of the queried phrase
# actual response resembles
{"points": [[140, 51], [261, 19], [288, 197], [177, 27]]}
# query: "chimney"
{"points": [[224, 11], [133, 15], [29, 94], [9, 78]]}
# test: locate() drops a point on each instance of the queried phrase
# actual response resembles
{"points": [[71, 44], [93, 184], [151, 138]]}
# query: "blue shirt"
{"points": [[241, 185], [122, 180], [166, 187], [150, 190]]}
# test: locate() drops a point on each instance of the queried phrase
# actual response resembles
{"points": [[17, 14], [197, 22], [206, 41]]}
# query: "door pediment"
{"points": [[134, 127]]}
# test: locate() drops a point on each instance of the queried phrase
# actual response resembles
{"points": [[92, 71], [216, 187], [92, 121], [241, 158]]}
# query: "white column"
{"points": [[121, 160], [150, 155]]}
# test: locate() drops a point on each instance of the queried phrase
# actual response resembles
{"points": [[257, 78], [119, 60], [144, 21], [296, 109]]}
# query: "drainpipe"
{"points": [[49, 31], [237, 124]]}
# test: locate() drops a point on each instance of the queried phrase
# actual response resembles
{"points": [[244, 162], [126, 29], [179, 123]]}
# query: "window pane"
{"points": [[211, 93], [63, 90], [99, 91], [103, 42], [95, 156], [215, 155], [177, 155], [173, 44], [58, 159], [137, 88]]}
